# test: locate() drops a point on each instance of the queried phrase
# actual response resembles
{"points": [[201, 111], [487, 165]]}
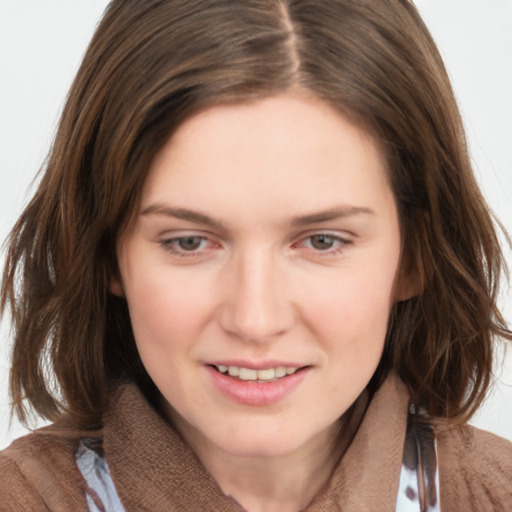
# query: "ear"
{"points": [[116, 286], [407, 288], [409, 282]]}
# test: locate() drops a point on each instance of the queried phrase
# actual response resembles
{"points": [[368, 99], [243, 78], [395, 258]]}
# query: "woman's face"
{"points": [[260, 273]]}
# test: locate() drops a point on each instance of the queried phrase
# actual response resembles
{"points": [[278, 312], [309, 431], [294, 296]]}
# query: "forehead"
{"points": [[266, 146]]}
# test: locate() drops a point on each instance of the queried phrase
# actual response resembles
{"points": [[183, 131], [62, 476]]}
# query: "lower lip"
{"points": [[256, 393]]}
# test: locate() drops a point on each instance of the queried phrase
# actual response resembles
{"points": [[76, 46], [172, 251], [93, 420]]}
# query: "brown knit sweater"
{"points": [[154, 470]]}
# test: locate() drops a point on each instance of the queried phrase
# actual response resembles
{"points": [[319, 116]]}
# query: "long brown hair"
{"points": [[153, 63]]}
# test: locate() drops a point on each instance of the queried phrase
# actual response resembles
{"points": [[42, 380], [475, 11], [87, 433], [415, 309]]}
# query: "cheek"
{"points": [[353, 311], [164, 324], [357, 294], [163, 311]]}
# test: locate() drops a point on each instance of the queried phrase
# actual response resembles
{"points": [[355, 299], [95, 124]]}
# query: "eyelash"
{"points": [[341, 244], [171, 245]]}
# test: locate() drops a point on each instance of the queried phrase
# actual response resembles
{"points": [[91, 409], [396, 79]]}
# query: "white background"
{"points": [[41, 44]]}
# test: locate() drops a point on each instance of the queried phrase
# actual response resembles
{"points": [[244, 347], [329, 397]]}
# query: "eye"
{"points": [[189, 245], [324, 243]]}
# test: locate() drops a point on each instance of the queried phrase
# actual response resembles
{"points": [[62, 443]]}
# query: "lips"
{"points": [[262, 386]]}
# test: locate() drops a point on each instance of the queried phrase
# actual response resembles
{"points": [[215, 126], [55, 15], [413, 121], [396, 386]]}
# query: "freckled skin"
{"points": [[255, 286]]}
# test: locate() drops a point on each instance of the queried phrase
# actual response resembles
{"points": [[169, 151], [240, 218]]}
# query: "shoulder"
{"points": [[475, 469], [39, 472]]}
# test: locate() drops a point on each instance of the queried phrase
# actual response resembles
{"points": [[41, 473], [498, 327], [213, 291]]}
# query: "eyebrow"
{"points": [[303, 220], [183, 214], [331, 214]]}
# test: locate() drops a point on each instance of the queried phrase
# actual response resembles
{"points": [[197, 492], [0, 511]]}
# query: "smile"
{"points": [[262, 386], [249, 374]]}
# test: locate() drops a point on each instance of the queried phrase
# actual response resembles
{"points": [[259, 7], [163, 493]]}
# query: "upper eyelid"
{"points": [[295, 238], [344, 235], [171, 234], [169, 239], [184, 233], [338, 238]]}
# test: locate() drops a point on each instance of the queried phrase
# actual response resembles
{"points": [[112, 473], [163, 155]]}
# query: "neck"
{"points": [[286, 483]]}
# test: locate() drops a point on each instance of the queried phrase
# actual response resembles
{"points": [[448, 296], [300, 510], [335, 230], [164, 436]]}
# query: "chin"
{"points": [[261, 439], [256, 446]]}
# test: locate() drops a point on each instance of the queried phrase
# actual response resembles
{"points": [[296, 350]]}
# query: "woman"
{"points": [[258, 273]]}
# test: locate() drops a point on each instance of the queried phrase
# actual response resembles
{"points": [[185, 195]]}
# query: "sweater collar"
{"points": [[152, 466]]}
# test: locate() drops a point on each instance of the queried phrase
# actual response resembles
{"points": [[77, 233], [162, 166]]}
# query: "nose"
{"points": [[257, 306]]}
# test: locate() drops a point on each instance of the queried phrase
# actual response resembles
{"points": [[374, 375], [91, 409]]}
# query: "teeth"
{"points": [[234, 371], [269, 374], [280, 371], [248, 374]]}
